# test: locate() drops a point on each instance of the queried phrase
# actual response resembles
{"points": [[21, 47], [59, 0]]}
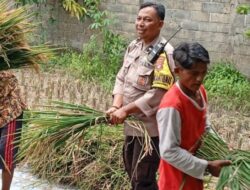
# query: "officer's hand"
{"points": [[110, 111], [214, 167], [118, 116]]}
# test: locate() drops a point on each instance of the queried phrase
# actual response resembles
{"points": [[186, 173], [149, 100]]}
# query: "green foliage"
{"points": [[88, 8], [71, 144], [226, 83], [99, 62], [244, 9], [235, 176], [74, 8], [247, 33], [98, 17]]}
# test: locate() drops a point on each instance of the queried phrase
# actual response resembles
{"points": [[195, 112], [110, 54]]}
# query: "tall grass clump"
{"points": [[227, 87], [99, 61]]}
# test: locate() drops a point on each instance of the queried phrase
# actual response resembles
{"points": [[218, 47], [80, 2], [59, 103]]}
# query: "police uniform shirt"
{"points": [[134, 81]]}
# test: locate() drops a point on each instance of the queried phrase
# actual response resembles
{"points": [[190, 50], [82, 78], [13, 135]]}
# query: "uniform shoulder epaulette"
{"points": [[133, 44], [169, 49]]}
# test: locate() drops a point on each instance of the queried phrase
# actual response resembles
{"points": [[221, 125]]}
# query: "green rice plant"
{"points": [[72, 144], [237, 175], [89, 160], [67, 120], [15, 51]]}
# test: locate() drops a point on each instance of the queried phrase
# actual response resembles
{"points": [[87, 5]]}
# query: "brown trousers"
{"points": [[141, 173]]}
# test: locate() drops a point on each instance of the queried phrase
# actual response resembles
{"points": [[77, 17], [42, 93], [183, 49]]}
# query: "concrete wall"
{"points": [[213, 23]]}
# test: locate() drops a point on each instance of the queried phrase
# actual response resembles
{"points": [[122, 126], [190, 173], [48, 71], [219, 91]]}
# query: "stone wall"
{"points": [[213, 23]]}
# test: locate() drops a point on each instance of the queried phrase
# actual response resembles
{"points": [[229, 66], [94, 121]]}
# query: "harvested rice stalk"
{"points": [[15, 51], [61, 144], [147, 145], [64, 121], [235, 176], [67, 119]]}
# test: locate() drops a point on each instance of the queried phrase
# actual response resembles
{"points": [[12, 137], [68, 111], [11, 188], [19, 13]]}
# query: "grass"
{"points": [[227, 88], [98, 62]]}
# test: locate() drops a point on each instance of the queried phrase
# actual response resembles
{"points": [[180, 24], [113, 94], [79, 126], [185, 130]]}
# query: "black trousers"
{"points": [[142, 172]]}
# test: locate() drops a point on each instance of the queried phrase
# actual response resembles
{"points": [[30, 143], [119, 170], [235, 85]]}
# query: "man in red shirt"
{"points": [[182, 120]]}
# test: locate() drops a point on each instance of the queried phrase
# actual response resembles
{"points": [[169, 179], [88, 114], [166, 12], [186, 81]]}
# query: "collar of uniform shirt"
{"points": [[153, 43]]}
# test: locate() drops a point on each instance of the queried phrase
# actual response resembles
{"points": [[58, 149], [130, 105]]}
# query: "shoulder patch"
{"points": [[159, 63], [163, 77]]}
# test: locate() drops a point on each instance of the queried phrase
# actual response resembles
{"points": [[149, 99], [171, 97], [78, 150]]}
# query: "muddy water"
{"points": [[24, 180]]}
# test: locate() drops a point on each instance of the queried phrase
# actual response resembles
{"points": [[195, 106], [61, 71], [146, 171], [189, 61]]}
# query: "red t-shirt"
{"points": [[193, 121]]}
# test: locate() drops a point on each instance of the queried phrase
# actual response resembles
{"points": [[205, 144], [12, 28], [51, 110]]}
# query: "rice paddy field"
{"points": [[89, 158], [69, 142], [233, 127], [68, 152]]}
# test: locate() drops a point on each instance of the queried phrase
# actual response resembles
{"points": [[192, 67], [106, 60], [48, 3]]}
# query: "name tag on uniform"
{"points": [[142, 80]]}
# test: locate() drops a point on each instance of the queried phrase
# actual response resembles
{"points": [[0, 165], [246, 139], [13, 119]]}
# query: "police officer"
{"points": [[138, 89]]}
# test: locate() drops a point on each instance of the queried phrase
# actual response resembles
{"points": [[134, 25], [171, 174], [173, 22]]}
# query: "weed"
{"points": [[99, 62], [228, 87]]}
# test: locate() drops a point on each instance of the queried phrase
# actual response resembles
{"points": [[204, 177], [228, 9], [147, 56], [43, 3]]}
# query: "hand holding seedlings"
{"points": [[214, 167]]}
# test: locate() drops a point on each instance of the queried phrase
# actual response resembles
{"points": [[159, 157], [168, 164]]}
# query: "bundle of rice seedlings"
{"points": [[71, 144], [15, 51], [237, 175], [65, 120], [88, 161]]}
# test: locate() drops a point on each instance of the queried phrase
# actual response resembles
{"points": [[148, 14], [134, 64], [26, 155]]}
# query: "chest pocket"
{"points": [[144, 78], [126, 66]]}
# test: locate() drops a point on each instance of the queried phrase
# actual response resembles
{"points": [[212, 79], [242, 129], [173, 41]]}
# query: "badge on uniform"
{"points": [[159, 63], [142, 80]]}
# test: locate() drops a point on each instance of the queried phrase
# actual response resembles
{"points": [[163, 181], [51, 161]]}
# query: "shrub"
{"points": [[226, 83], [98, 62]]}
